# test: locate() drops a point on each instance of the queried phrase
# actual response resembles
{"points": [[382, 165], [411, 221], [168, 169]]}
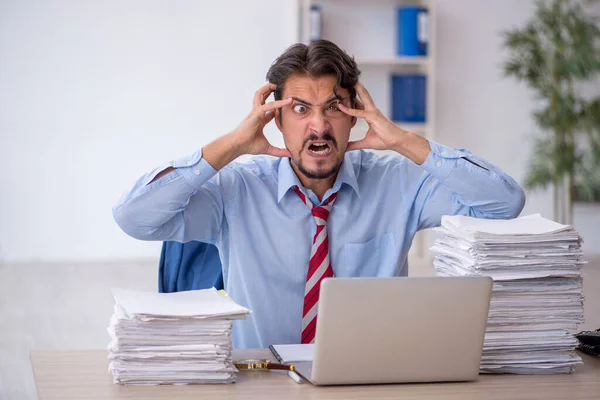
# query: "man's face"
{"points": [[314, 130]]}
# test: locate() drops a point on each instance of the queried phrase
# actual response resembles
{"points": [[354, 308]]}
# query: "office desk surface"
{"points": [[83, 375]]}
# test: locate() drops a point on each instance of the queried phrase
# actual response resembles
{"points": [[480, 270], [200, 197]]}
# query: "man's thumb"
{"points": [[277, 152]]}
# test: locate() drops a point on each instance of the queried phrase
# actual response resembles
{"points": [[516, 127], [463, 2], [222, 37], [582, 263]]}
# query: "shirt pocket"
{"points": [[377, 257]]}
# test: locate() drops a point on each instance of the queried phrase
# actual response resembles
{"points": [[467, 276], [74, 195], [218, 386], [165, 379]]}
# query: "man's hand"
{"points": [[250, 131], [383, 134], [248, 137]]}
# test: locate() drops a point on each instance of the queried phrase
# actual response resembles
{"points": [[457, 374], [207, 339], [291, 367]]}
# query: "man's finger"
{"points": [[268, 93], [261, 94], [364, 96], [269, 116], [277, 152], [275, 104], [359, 105], [352, 111]]}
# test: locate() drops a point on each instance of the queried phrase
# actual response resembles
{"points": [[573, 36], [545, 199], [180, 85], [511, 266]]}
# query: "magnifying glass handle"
{"points": [[286, 367]]}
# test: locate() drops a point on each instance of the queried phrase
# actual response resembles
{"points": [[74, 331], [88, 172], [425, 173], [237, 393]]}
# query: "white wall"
{"points": [[94, 93], [477, 108]]}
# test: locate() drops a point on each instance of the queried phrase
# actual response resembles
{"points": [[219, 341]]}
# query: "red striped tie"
{"points": [[319, 266]]}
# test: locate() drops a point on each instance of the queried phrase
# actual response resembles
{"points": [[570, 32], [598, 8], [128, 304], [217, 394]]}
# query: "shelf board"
{"points": [[420, 60]]}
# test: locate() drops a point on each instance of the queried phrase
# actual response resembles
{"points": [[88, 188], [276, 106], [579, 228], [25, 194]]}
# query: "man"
{"points": [[320, 207]]}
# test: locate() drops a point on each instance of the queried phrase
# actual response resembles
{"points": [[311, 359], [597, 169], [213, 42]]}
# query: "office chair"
{"points": [[189, 266]]}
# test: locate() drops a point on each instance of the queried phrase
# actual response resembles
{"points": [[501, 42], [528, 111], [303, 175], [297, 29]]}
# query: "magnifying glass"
{"points": [[259, 363]]}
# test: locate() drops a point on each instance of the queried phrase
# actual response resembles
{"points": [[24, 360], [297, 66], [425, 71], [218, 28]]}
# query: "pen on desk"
{"points": [[295, 377]]}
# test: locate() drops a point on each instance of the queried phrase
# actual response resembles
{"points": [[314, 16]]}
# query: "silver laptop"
{"points": [[398, 330]]}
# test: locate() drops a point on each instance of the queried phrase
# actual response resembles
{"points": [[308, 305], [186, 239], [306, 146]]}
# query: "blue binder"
{"points": [[412, 31], [409, 98]]}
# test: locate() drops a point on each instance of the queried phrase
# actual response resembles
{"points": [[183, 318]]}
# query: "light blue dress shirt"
{"points": [[264, 231]]}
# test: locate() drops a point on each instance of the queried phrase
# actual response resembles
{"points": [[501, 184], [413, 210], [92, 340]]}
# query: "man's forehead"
{"points": [[317, 90]]}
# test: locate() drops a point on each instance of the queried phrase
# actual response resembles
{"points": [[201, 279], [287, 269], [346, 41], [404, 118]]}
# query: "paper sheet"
{"points": [[176, 338], [536, 303], [202, 303], [290, 353]]}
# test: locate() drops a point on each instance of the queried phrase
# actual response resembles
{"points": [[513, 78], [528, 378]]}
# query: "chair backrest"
{"points": [[189, 266]]}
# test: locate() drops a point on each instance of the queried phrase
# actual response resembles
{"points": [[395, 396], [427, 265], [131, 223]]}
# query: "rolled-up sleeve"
{"points": [[457, 182], [183, 205]]}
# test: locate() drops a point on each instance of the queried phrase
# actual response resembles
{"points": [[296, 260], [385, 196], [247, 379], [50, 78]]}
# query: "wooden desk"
{"points": [[83, 375]]}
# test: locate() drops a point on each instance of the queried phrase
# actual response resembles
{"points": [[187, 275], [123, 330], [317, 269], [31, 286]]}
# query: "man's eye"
{"points": [[333, 107], [299, 108]]}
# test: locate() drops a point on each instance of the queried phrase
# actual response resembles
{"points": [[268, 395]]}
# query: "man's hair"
{"points": [[319, 58]]}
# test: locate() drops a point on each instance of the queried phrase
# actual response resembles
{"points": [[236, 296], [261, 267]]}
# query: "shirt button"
{"points": [[443, 153], [439, 164], [197, 172]]}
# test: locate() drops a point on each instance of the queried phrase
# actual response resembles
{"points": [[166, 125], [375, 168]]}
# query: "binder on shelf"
{"points": [[409, 98], [412, 31], [316, 23]]}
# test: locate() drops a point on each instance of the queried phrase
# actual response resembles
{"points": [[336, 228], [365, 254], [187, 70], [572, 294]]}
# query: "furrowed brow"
{"points": [[299, 100], [328, 101], [332, 99]]}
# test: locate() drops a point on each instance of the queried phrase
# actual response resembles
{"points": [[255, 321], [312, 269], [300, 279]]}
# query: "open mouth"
{"points": [[319, 148]]}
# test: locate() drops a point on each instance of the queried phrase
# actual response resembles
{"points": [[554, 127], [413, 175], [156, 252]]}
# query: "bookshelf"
{"points": [[367, 30]]}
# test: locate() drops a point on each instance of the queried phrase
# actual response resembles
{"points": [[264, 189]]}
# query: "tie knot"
{"points": [[320, 213]]}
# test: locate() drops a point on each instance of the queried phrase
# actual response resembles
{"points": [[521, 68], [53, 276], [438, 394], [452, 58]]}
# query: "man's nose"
{"points": [[319, 123]]}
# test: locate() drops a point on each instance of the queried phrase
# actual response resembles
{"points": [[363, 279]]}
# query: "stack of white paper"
{"points": [[172, 338], [536, 298]]}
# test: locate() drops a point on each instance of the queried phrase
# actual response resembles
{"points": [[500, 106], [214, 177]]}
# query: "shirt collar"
{"points": [[288, 178]]}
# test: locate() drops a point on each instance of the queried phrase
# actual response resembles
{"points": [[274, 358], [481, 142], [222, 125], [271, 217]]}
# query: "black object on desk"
{"points": [[589, 342]]}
